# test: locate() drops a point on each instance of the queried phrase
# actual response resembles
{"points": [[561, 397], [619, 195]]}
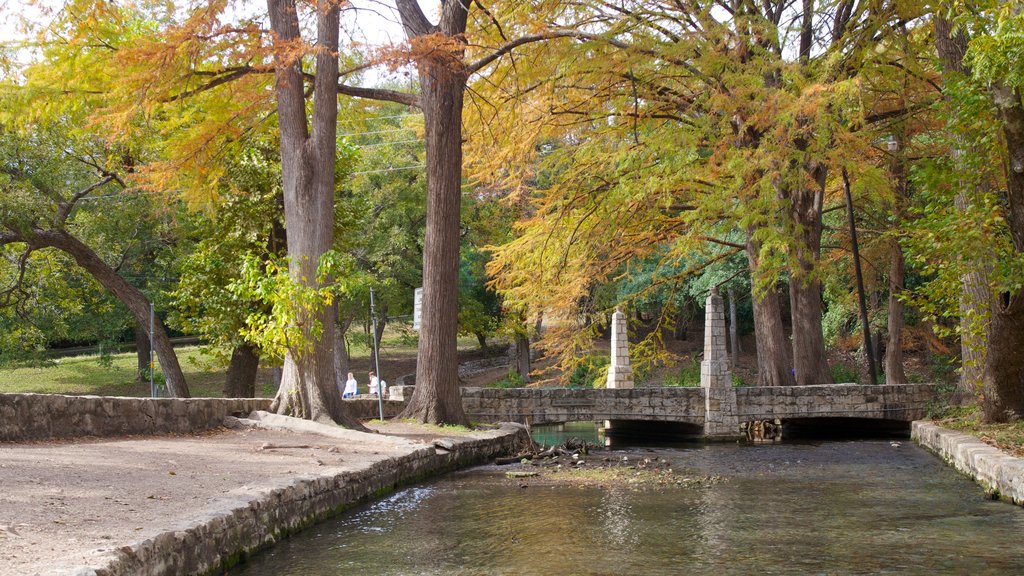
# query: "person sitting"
{"points": [[351, 387]]}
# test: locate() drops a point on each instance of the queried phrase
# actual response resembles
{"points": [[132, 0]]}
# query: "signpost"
{"points": [[376, 356], [417, 308]]}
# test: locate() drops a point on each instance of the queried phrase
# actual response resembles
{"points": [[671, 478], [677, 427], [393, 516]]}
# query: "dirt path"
{"points": [[65, 504]]}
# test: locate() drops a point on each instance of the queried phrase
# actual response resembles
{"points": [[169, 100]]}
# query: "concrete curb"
{"points": [[247, 520], [1000, 474]]}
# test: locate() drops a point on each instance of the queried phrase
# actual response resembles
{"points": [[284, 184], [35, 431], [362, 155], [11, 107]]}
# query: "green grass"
{"points": [[1007, 437], [85, 375], [204, 374]]}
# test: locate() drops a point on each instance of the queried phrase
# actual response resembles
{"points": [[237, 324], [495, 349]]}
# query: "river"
{"points": [[849, 507]]}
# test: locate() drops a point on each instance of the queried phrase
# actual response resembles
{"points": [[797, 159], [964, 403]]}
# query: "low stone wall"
{"points": [[889, 402], [243, 524], [367, 408], [556, 405], [999, 473], [42, 416]]}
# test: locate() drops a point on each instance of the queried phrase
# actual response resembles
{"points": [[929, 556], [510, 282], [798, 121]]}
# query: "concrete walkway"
{"points": [[122, 505]]}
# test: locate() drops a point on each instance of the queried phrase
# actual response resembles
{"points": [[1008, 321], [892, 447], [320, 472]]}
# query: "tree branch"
{"points": [[380, 94], [64, 208]]}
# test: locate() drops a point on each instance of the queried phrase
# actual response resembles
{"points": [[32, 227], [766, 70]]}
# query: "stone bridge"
{"points": [[715, 409], [538, 406]]}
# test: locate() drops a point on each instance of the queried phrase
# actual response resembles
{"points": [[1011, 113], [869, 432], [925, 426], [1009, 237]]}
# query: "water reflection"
{"points": [[839, 508]]}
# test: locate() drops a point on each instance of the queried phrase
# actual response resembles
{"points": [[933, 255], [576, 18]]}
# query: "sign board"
{"points": [[417, 308]]}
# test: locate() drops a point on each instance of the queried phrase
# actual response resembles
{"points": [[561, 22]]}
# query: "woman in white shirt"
{"points": [[374, 382], [351, 387]]}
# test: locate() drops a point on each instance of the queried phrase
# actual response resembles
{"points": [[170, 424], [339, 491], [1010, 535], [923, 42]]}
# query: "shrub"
{"points": [[591, 371], [511, 380], [689, 374], [843, 373]]}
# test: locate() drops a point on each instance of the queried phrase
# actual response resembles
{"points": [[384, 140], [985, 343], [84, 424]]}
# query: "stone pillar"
{"points": [[620, 374], [720, 419]]}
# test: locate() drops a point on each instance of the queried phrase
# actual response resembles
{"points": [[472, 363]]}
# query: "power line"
{"points": [[382, 118], [389, 169], [375, 132], [390, 143]]}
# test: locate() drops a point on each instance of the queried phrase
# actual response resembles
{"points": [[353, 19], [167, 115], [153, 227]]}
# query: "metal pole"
{"points": [[868, 347], [152, 366], [376, 356]]}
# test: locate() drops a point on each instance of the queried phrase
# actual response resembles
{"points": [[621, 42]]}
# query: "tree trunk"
{"points": [[770, 338], [130, 296], [481, 340], [682, 322], [341, 357], [308, 162], [976, 297], [894, 373], [734, 342], [1003, 381], [437, 397], [523, 356], [142, 351], [809, 360], [241, 378]]}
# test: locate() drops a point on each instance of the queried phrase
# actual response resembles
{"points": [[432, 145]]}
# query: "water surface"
{"points": [[860, 507]]}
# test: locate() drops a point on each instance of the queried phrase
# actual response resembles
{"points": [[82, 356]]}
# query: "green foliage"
{"points": [[688, 374], [510, 380], [288, 323], [590, 372], [844, 373]]}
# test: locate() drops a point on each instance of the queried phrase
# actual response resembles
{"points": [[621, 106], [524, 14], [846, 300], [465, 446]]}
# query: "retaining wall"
{"points": [[241, 525], [999, 473], [42, 416]]}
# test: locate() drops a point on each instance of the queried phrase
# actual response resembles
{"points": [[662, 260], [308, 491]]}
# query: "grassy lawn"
{"points": [[85, 375], [1006, 437], [205, 376]]}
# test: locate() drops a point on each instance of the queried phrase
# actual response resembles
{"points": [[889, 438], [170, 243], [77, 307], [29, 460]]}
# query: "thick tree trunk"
{"points": [[437, 397], [772, 355], [809, 360], [994, 349], [523, 356], [1003, 381], [142, 352], [307, 167], [130, 296], [241, 378], [976, 297], [481, 340]]}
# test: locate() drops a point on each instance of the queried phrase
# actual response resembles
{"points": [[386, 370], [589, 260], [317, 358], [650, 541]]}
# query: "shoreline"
{"points": [[162, 505], [999, 473]]}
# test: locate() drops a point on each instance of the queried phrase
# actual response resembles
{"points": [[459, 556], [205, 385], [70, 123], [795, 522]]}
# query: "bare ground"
{"points": [[65, 504]]}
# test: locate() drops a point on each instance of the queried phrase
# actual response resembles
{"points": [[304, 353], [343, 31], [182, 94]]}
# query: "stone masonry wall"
{"points": [[720, 419], [1000, 473], [43, 416], [243, 523], [620, 373], [905, 402], [556, 405]]}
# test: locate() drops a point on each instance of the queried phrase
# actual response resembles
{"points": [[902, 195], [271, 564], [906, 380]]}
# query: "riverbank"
{"points": [[1000, 473], [194, 504]]}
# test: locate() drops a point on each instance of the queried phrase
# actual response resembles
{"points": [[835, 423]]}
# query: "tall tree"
{"points": [[308, 156], [38, 210]]}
